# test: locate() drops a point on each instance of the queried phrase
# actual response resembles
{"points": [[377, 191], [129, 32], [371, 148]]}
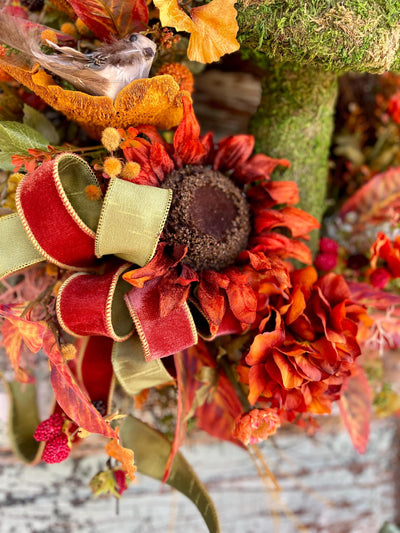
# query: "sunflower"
{"points": [[220, 234]]}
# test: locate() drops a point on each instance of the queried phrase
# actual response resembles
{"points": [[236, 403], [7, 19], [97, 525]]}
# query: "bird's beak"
{"points": [[148, 53]]}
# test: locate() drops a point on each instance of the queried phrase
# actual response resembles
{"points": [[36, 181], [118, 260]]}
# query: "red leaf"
{"points": [[218, 414], [377, 200], [355, 408], [112, 18], [73, 400], [187, 366]]}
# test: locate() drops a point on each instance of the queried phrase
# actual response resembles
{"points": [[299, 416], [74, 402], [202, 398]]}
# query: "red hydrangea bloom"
{"points": [[224, 206], [306, 345]]}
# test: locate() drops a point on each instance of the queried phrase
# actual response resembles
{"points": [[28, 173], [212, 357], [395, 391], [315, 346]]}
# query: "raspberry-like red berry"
{"points": [[56, 449], [379, 278], [328, 246], [325, 261], [120, 479], [49, 428]]}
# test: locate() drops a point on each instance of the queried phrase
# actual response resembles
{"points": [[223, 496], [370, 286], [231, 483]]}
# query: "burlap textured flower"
{"points": [[156, 101]]}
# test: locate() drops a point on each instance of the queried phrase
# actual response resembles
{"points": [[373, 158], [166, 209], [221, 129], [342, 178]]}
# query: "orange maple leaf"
{"points": [[213, 27], [16, 333], [123, 455]]}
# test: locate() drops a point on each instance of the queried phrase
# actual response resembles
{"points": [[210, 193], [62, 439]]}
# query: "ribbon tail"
{"points": [[23, 420], [132, 370], [16, 250], [151, 450]]}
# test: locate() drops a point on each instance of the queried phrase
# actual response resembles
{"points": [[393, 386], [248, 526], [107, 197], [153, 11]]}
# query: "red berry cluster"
{"points": [[327, 257], [51, 432]]}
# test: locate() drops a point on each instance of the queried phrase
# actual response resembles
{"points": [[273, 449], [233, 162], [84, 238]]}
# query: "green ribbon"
{"points": [[23, 420], [16, 250], [131, 221], [151, 451], [132, 370]]}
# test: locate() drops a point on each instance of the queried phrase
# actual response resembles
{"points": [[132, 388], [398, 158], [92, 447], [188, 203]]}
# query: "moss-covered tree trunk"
{"points": [[295, 121]]}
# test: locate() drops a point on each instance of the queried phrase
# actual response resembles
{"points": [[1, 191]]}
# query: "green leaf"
{"points": [[5, 161], [23, 420], [37, 121], [17, 138], [151, 451]]}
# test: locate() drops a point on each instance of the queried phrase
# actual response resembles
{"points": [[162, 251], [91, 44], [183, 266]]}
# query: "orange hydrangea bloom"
{"points": [[156, 101], [213, 27], [256, 426]]}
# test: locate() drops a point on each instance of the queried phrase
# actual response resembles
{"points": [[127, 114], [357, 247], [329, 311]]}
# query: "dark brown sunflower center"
{"points": [[208, 214]]}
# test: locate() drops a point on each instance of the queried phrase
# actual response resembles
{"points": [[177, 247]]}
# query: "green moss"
{"points": [[360, 35], [295, 121]]}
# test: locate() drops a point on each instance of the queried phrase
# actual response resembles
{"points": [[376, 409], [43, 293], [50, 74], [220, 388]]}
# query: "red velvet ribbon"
{"points": [[161, 336], [85, 303], [55, 230]]}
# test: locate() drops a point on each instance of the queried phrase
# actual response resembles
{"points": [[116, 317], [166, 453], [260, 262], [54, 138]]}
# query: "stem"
{"points": [[295, 122]]}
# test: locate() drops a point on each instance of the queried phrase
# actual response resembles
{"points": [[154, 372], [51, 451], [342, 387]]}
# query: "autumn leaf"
{"points": [[16, 333], [123, 455], [73, 400], [355, 408], [112, 18], [377, 201], [212, 26]]}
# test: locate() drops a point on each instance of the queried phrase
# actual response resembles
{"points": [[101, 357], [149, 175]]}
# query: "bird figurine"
{"points": [[106, 71]]}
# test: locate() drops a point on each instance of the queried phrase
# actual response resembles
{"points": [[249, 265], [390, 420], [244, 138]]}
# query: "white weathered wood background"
{"points": [[326, 487]]}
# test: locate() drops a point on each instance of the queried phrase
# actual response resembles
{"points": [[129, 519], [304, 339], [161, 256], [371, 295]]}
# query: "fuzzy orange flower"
{"points": [[213, 27], [256, 426]]}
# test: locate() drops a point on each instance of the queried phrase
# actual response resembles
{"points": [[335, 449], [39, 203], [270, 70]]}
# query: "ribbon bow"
{"points": [[100, 240]]}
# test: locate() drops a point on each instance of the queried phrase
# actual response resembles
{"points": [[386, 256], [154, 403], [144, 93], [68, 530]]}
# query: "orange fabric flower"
{"points": [[307, 345], [213, 27], [256, 426]]}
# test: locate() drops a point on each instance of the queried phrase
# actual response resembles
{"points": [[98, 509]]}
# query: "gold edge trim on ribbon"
{"points": [[58, 305], [32, 238], [21, 267], [139, 329], [191, 321], [64, 198], [162, 224], [100, 224], [108, 315]]}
